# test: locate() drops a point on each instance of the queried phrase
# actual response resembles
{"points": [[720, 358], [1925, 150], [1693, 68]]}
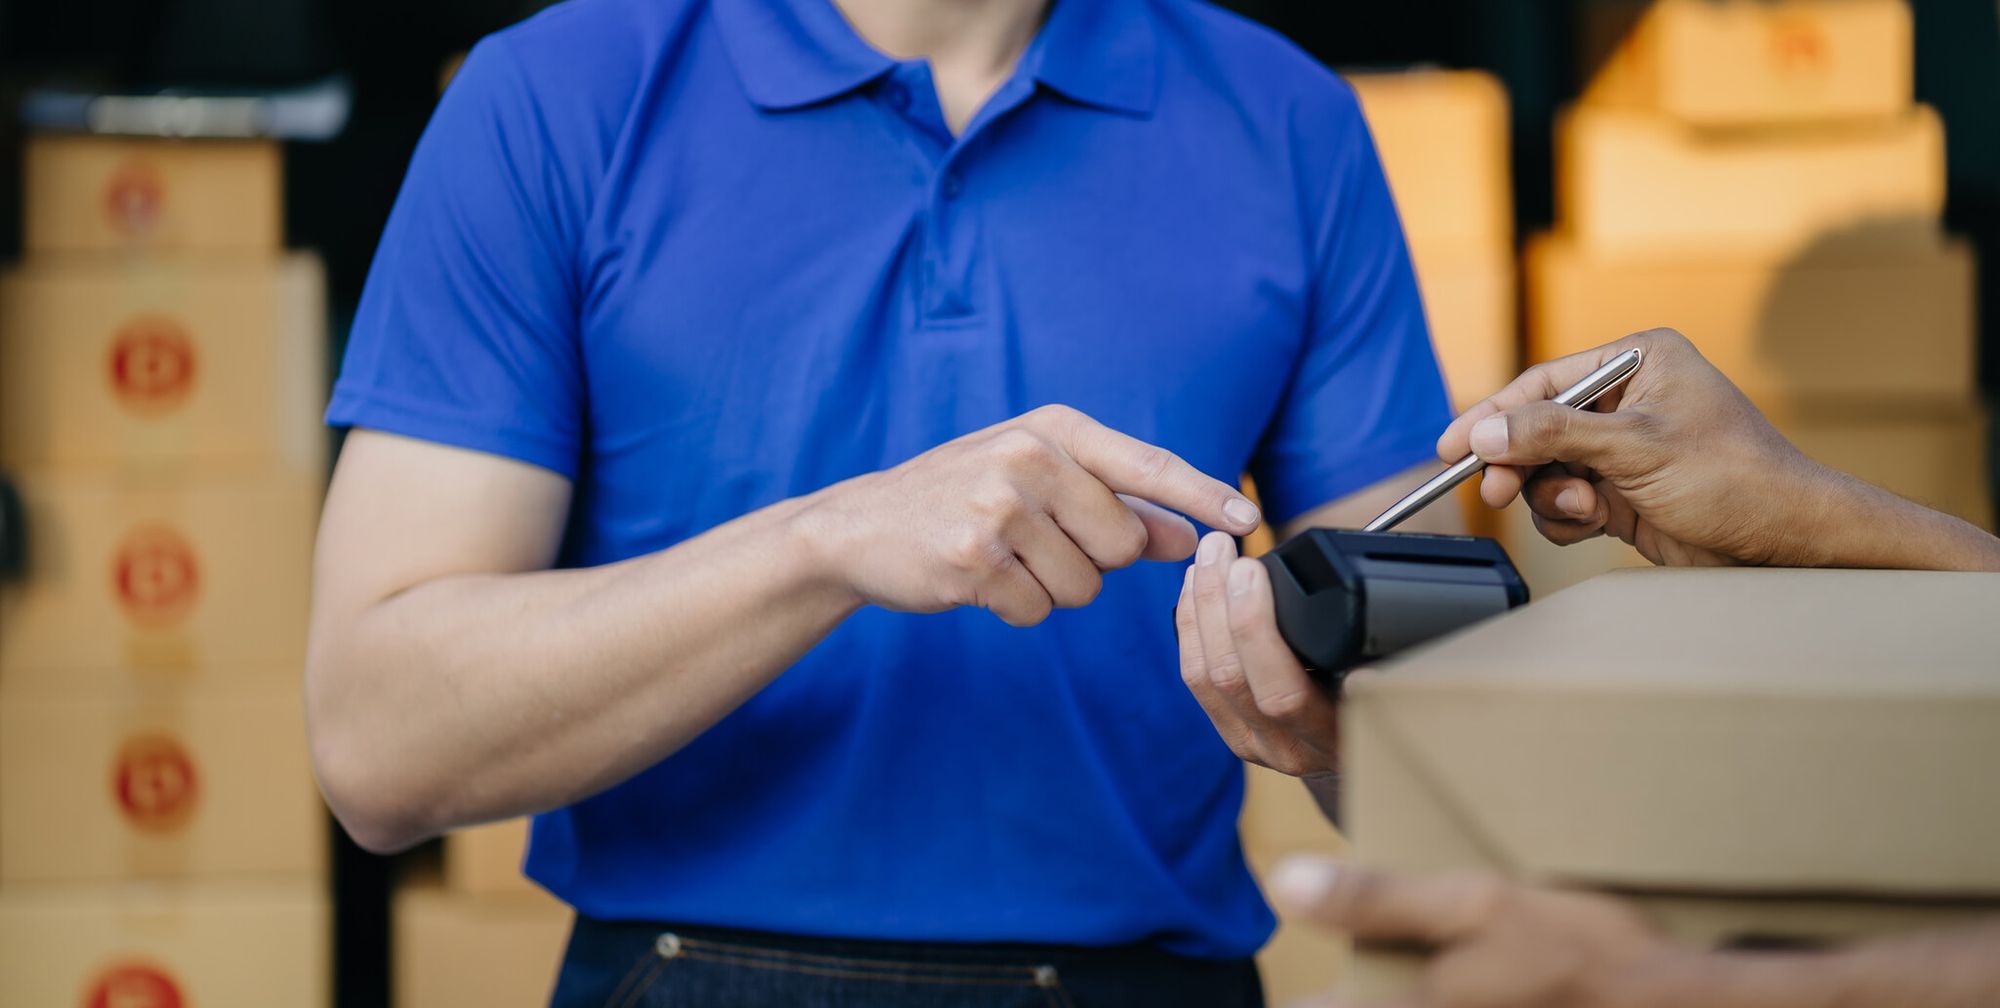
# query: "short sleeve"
{"points": [[466, 331], [1366, 399]]}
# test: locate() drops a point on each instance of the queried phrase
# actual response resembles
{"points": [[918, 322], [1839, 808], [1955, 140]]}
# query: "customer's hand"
{"points": [[1248, 681], [1019, 518], [1676, 462], [1495, 944]]}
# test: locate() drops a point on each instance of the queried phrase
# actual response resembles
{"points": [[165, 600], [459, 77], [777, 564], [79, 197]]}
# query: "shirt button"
{"points": [[897, 94], [952, 185]]}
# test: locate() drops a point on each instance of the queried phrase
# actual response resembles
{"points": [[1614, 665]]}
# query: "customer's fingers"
{"points": [[1383, 907], [1567, 508]]}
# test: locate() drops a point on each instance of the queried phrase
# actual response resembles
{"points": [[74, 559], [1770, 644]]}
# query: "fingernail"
{"points": [[1301, 880], [1187, 580], [1210, 548], [1570, 502], [1242, 512], [1239, 576], [1489, 437]]}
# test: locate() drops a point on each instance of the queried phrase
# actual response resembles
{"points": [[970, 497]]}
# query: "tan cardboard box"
{"points": [[1469, 302], [487, 859], [157, 784], [1638, 183], [1442, 137], [122, 194], [144, 946], [1750, 62], [161, 580], [1720, 758], [485, 949], [107, 360], [1850, 320]]}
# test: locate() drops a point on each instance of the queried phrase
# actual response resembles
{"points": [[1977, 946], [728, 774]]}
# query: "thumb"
{"points": [[1540, 432]]}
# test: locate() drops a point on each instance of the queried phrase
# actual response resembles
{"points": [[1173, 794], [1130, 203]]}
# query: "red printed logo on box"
{"points": [[152, 364], [1798, 45], [154, 783], [155, 576], [133, 197], [133, 985]]}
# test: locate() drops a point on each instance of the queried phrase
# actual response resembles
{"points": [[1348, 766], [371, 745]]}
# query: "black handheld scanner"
{"points": [[1344, 597]]}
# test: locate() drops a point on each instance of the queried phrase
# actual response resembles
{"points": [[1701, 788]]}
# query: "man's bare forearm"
{"points": [[1855, 524], [480, 696]]}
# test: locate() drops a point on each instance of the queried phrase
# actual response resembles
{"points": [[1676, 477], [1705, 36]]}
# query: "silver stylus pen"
{"points": [[1579, 396]]}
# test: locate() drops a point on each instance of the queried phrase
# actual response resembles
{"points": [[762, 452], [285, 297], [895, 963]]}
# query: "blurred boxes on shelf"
{"points": [[487, 859], [1844, 320], [162, 370], [1755, 175], [1469, 303], [157, 784], [162, 946], [1735, 64], [1635, 182], [495, 949], [1442, 136], [123, 194], [1712, 775], [213, 361], [181, 579]]}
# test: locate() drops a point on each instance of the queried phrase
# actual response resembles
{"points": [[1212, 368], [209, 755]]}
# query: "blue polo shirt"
{"points": [[698, 256]]}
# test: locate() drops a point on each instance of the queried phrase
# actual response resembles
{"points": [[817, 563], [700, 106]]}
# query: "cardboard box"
{"points": [[209, 946], [1638, 183], [1442, 137], [1469, 302], [1738, 63], [163, 361], [122, 194], [1716, 763], [158, 784], [487, 859], [456, 949], [1847, 321], [150, 580]]}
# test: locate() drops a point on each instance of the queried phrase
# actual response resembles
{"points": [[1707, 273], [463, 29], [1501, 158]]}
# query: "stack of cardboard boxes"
{"points": [[1442, 138], [1756, 175], [486, 935], [161, 375]]}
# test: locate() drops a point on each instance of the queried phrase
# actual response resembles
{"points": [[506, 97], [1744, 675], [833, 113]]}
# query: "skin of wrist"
{"points": [[815, 536]]}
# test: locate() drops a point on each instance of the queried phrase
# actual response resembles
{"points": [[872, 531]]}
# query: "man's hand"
{"points": [[1242, 672], [1677, 463], [1497, 945], [1019, 518]]}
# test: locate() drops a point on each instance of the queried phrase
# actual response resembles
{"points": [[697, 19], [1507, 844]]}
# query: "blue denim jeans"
{"points": [[644, 965]]}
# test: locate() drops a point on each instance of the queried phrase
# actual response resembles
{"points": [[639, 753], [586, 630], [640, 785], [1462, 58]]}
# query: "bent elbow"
{"points": [[372, 800]]}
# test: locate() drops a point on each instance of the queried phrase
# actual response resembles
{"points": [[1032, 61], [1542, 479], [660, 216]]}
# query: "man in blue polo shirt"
{"points": [[723, 358]]}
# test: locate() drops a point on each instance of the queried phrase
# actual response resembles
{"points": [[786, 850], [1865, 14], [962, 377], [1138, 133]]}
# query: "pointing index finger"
{"points": [[1130, 466]]}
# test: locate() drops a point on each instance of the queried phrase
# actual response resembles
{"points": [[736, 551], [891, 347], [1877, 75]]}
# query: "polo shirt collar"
{"points": [[793, 53]]}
